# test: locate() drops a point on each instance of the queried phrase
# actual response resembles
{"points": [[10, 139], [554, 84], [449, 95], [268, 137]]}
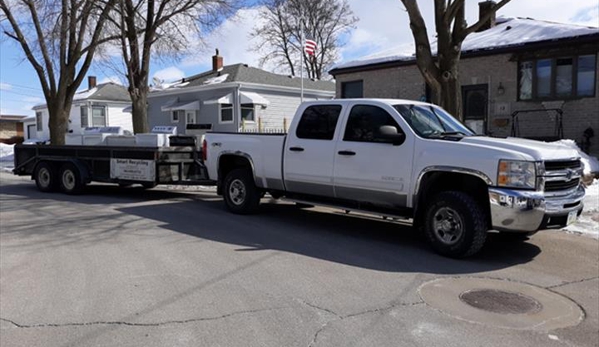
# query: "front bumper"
{"points": [[527, 211]]}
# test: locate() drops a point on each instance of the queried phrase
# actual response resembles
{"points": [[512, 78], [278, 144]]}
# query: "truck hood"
{"points": [[536, 150]]}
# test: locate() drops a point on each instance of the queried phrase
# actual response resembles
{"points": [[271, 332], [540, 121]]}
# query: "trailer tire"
{"points": [[149, 185], [240, 192], [71, 180], [45, 177], [455, 224]]}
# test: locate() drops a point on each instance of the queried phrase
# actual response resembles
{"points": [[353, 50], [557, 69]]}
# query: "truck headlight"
{"points": [[517, 174]]}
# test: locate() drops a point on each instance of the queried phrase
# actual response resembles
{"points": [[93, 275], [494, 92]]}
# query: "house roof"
{"points": [[102, 92], [244, 73], [510, 34], [12, 118]]}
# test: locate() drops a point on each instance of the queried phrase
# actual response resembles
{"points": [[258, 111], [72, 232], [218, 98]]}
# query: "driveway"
{"points": [[128, 267]]}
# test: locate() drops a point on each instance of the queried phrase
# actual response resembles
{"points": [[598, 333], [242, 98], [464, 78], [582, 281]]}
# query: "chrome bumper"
{"points": [[525, 211]]}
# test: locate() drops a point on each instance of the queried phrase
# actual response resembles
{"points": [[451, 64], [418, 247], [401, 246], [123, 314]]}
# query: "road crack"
{"points": [[133, 324], [339, 318], [572, 282]]}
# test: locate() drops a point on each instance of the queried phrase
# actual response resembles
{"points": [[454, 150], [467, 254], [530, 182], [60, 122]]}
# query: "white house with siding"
{"points": [[233, 98], [106, 104]]}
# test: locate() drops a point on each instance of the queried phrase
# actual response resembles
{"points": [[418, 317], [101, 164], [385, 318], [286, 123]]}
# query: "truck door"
{"points": [[309, 151], [367, 167]]}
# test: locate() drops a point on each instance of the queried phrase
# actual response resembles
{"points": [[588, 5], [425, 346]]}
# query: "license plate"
{"points": [[572, 216]]}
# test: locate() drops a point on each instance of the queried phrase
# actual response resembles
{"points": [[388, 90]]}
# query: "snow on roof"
{"points": [[508, 32], [217, 80], [84, 94]]}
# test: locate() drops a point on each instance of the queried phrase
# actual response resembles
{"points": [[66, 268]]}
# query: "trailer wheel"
{"points": [[45, 177], [149, 185], [456, 225], [240, 192], [71, 181]]}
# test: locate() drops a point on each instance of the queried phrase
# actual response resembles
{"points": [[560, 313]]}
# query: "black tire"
{"points": [[240, 192], [455, 224], [149, 185], [45, 177], [70, 179]]}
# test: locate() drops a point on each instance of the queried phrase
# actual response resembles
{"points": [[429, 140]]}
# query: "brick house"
{"points": [[11, 125], [520, 77]]}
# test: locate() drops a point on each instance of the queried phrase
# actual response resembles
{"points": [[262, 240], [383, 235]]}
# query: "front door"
{"points": [[368, 169], [475, 103], [190, 116]]}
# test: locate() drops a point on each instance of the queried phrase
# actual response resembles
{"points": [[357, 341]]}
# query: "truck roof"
{"points": [[375, 100]]}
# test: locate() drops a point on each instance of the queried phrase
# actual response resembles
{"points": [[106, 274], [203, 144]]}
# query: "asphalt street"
{"points": [[129, 267]]}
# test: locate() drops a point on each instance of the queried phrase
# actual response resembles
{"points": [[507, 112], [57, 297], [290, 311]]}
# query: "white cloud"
{"points": [[33, 99], [5, 86], [169, 74], [232, 38]]}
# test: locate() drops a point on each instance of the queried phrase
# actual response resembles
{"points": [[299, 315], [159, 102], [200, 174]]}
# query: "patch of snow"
{"points": [[216, 80], [84, 94], [585, 224], [172, 85], [6, 152], [508, 32]]}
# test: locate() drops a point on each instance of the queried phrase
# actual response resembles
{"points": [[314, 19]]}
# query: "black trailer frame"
{"points": [[173, 165]]}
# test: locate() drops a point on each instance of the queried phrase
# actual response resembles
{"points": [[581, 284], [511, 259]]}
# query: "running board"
{"points": [[348, 210]]}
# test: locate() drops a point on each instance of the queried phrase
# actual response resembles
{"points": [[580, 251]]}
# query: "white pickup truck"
{"points": [[406, 159]]}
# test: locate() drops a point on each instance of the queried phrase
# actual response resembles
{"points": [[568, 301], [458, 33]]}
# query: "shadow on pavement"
{"points": [[332, 236]]}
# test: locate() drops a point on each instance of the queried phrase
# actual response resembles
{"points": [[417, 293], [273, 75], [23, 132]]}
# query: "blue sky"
{"points": [[383, 26]]}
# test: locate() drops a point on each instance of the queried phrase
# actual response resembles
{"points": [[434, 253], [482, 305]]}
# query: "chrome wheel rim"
{"points": [[448, 226], [68, 180], [44, 177], [237, 192]]}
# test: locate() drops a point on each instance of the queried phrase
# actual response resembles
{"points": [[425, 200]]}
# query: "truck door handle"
{"points": [[296, 149], [346, 153]]}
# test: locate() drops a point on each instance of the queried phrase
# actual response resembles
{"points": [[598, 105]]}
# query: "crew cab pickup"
{"points": [[402, 159]]}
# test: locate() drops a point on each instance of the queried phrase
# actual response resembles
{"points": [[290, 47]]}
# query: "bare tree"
{"points": [[59, 39], [150, 28], [279, 37], [441, 72]]}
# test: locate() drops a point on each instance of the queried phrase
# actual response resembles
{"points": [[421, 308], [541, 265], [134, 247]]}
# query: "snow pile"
{"points": [[6, 152], [84, 94], [591, 164], [585, 224], [217, 80]]}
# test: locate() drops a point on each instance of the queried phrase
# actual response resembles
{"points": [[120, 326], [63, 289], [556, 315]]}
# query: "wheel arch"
{"points": [[228, 161], [434, 180]]}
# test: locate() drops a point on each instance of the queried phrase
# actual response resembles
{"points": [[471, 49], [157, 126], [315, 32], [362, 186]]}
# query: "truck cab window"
{"points": [[364, 123], [318, 122]]}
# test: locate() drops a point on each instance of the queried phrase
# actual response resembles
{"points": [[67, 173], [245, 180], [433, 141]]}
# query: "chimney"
{"points": [[485, 8], [217, 62], [91, 82]]}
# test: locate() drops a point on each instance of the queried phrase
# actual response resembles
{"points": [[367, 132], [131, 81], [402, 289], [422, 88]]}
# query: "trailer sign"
{"points": [[133, 169]]}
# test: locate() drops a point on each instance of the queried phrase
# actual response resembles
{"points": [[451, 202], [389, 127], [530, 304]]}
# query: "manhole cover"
{"points": [[500, 301]]}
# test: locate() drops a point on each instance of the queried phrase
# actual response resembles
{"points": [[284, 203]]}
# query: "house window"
{"points": [[176, 115], [557, 78], [98, 116], [354, 89], [38, 121], [226, 113], [84, 117], [248, 112]]}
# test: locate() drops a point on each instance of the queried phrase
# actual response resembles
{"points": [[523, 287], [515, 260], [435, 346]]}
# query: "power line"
{"points": [[19, 93]]}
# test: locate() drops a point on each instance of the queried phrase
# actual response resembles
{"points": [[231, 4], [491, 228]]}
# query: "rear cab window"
{"points": [[318, 122]]}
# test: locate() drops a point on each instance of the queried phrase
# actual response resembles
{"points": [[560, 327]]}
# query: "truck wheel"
{"points": [[456, 225], [240, 192], [45, 177], [71, 181]]}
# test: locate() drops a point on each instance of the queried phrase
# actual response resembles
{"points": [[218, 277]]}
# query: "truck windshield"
{"points": [[432, 122]]}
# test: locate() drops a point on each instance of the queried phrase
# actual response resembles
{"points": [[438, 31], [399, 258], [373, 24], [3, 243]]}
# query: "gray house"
{"points": [[520, 77], [232, 98]]}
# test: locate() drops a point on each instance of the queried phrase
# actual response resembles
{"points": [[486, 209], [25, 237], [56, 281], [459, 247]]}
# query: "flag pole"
{"points": [[302, 47]]}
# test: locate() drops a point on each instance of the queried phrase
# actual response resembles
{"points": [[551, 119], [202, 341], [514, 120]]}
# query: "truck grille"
{"points": [[556, 186], [562, 175]]}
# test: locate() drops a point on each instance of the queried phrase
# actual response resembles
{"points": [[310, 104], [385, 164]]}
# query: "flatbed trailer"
{"points": [[70, 168]]}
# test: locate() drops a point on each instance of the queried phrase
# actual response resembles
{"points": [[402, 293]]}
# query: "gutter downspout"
{"points": [[237, 107]]}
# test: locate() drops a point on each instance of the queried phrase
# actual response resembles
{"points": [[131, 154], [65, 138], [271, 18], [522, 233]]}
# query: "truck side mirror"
{"points": [[389, 134]]}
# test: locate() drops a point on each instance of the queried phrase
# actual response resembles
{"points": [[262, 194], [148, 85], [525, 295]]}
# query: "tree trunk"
{"points": [[58, 123], [451, 91], [139, 102]]}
